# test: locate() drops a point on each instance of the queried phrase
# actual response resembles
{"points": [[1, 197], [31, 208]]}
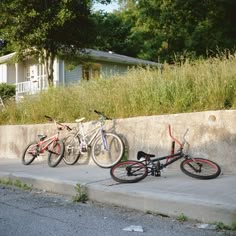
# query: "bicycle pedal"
{"points": [[158, 174]]}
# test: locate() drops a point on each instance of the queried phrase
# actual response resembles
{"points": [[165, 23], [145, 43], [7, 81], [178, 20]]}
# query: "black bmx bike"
{"points": [[132, 171]]}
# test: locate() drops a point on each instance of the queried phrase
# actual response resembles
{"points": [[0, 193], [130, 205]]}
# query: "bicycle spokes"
{"points": [[197, 167], [200, 168]]}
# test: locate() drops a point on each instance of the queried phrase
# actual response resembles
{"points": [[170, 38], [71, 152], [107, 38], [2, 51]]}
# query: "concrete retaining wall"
{"points": [[212, 135]]}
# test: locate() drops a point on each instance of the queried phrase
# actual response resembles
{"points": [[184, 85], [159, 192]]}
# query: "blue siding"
{"points": [[74, 75]]}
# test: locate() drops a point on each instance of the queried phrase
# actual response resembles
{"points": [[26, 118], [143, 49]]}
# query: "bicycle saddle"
{"points": [[41, 137], [79, 120], [142, 154]]}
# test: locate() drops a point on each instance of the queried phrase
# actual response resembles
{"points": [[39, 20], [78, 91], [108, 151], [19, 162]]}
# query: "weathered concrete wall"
{"points": [[212, 134]]}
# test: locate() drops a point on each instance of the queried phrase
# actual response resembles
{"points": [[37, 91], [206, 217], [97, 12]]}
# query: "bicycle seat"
{"points": [[142, 154], [79, 120], [41, 137]]}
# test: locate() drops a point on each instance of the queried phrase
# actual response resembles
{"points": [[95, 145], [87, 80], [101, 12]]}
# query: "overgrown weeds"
{"points": [[81, 195], [189, 87]]}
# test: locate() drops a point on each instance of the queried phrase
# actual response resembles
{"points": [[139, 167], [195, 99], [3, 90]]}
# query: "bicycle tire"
{"points": [[72, 149], [30, 153], [200, 168], [107, 158], [129, 171], [55, 154]]}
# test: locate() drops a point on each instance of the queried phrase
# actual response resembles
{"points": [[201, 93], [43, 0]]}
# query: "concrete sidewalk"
{"points": [[171, 194]]}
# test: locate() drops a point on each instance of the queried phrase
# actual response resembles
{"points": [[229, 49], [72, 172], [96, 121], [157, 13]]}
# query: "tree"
{"points": [[175, 26], [113, 33], [46, 28]]}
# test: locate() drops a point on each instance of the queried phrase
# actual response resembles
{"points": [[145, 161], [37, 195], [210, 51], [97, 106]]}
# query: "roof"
{"points": [[7, 57], [102, 56], [118, 58]]}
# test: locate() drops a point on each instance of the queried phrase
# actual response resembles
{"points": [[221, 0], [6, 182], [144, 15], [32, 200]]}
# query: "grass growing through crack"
{"points": [[16, 183], [81, 195], [182, 218]]}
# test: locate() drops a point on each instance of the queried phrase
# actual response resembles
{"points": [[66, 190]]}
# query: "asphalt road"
{"points": [[39, 213]]}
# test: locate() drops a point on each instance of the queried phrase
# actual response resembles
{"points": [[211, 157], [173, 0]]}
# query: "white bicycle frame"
{"points": [[94, 132]]}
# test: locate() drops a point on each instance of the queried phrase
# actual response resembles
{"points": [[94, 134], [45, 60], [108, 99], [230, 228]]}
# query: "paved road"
{"points": [[37, 213]]}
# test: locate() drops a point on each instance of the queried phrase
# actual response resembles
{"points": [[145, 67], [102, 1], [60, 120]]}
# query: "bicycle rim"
{"points": [[30, 153], [128, 171], [55, 153], [72, 149], [200, 168], [109, 155]]}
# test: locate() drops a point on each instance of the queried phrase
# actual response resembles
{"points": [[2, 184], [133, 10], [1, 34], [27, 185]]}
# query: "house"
{"points": [[29, 75]]}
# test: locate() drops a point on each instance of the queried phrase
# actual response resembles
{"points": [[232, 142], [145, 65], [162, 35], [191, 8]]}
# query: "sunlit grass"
{"points": [[192, 86]]}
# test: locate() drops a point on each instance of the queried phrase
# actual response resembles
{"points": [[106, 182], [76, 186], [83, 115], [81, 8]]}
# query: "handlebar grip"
{"points": [[68, 128], [98, 112], [101, 114], [49, 118]]}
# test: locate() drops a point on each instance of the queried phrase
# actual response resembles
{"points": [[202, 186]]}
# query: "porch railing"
{"points": [[31, 87]]}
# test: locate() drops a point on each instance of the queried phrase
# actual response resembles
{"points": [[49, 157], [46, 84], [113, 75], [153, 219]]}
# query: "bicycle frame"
{"points": [[93, 133], [173, 157], [44, 144], [47, 141]]}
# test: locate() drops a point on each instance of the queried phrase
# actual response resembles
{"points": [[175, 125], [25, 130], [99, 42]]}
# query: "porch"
{"points": [[31, 87]]}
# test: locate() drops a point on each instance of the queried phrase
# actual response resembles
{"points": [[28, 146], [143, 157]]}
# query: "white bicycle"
{"points": [[106, 148]]}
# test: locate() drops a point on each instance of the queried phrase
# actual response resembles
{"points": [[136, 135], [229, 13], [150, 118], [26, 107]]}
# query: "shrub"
{"points": [[7, 91]]}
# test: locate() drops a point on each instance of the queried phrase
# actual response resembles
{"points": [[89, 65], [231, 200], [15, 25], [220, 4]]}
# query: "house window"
{"points": [[31, 73], [27, 73], [91, 71], [40, 71]]}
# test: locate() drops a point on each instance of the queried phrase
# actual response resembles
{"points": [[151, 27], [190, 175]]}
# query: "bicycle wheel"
{"points": [[200, 168], [72, 149], [30, 153], [128, 171], [56, 152], [112, 154]]}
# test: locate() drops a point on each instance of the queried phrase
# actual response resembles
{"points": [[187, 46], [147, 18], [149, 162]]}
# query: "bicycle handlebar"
{"points": [[176, 140], [57, 123], [103, 115], [49, 118]]}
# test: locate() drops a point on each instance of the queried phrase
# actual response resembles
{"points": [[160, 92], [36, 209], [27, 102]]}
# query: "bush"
{"points": [[7, 91]]}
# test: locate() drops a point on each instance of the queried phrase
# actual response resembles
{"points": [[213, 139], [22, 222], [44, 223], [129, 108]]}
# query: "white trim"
{"points": [[63, 72], [7, 57], [17, 79]]}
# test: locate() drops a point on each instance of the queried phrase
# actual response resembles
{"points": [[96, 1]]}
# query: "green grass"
{"points": [[81, 195], [16, 183], [189, 87], [222, 226], [182, 217]]}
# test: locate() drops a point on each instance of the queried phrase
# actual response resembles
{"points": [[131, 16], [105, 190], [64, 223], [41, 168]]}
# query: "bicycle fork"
{"points": [[197, 170], [104, 140]]}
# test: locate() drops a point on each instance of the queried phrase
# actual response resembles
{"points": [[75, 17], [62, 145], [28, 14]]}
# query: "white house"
{"points": [[29, 75]]}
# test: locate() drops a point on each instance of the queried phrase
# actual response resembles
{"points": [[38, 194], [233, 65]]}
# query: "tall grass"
{"points": [[189, 87]]}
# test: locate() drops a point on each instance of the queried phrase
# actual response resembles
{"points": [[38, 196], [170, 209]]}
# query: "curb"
{"points": [[121, 195]]}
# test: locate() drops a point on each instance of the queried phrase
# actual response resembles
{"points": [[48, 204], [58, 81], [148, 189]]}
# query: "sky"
{"points": [[108, 8]]}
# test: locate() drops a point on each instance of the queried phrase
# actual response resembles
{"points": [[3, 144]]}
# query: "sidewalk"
{"points": [[171, 194]]}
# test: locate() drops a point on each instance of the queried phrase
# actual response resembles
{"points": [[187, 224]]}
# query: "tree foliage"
{"points": [[114, 33], [177, 27], [7, 91], [157, 30], [48, 26]]}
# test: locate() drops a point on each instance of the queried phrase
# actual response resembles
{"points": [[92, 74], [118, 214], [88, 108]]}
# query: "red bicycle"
{"points": [[132, 171], [53, 145]]}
